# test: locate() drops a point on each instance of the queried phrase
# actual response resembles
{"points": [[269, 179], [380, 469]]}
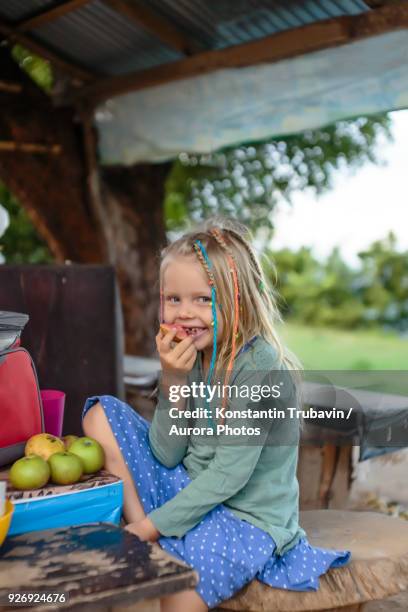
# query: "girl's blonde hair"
{"points": [[259, 313]]}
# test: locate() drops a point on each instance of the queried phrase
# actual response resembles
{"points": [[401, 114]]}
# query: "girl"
{"points": [[226, 505]]}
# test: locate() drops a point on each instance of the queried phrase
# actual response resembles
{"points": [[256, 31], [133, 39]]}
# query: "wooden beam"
{"points": [[274, 48], [29, 147], [380, 3], [77, 72], [147, 19], [8, 87], [48, 15]]}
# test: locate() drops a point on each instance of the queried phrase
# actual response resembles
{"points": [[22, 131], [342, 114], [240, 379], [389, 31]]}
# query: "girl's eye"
{"points": [[170, 298]]}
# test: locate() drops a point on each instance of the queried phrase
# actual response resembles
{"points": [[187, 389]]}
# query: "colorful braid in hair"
{"points": [[205, 261], [216, 233], [261, 285]]}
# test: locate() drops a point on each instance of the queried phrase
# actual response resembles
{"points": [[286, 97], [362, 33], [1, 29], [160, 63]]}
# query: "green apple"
{"points": [[68, 440], [66, 468], [90, 452], [31, 472]]}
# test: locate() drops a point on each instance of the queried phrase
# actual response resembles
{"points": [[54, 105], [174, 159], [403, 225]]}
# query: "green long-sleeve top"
{"points": [[253, 476]]}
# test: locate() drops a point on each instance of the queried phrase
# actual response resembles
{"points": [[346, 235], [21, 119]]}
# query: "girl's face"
{"points": [[187, 300]]}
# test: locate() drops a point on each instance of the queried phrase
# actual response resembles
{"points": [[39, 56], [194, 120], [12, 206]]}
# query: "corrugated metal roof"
{"points": [[225, 23], [97, 37], [20, 9], [102, 40]]}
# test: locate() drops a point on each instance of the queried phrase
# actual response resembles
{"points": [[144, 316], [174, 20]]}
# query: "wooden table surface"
{"points": [[99, 565]]}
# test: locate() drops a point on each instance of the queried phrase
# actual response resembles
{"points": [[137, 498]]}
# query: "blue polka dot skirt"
{"points": [[227, 552]]}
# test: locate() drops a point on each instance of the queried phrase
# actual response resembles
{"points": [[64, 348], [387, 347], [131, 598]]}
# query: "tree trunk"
{"points": [[54, 189], [51, 187], [133, 198]]}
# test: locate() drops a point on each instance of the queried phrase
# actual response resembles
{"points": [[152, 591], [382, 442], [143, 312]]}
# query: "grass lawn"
{"points": [[328, 349]]}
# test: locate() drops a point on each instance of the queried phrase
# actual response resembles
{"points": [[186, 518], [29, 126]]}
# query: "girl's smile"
{"points": [[195, 332]]}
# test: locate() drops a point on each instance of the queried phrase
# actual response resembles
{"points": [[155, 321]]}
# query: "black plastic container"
{"points": [[11, 327]]}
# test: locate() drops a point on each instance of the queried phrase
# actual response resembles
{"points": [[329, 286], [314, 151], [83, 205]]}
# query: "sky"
{"points": [[357, 211]]}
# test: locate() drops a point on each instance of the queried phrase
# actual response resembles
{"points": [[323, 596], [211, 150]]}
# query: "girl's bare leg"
{"points": [[186, 601], [96, 425]]}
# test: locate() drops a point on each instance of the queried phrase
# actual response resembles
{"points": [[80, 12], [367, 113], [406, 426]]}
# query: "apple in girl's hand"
{"points": [[180, 335], [90, 452]]}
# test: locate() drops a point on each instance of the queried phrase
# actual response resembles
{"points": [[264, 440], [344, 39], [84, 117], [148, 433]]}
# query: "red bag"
{"points": [[21, 414]]}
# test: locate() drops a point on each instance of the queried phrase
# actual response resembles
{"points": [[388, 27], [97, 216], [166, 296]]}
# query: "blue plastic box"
{"points": [[97, 499]]}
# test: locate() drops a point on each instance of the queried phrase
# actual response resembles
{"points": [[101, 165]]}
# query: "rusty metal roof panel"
{"points": [[97, 37]]}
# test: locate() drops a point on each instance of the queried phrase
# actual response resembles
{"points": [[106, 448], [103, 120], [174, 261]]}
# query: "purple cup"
{"points": [[53, 402]]}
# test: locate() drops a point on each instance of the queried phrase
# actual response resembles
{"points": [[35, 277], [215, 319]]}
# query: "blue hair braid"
{"points": [[215, 329]]}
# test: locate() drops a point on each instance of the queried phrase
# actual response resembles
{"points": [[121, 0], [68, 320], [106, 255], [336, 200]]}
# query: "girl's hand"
{"points": [[179, 360], [144, 529]]}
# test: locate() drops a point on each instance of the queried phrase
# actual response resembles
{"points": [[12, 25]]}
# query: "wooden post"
{"points": [[324, 475], [9, 87], [330, 456]]}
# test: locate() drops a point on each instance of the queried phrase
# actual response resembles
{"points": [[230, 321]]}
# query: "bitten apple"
{"points": [[180, 335]]}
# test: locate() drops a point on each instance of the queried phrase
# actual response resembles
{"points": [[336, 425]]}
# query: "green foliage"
{"points": [[21, 243], [36, 67], [331, 294], [317, 293], [383, 285], [246, 182]]}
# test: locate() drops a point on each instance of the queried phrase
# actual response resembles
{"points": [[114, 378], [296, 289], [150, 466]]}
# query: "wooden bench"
{"points": [[376, 578]]}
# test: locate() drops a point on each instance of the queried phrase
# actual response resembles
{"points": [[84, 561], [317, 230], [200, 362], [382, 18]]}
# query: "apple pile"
{"points": [[61, 460]]}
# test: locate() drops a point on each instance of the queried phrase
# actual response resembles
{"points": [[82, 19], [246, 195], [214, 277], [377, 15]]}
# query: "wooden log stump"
{"points": [[378, 568]]}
